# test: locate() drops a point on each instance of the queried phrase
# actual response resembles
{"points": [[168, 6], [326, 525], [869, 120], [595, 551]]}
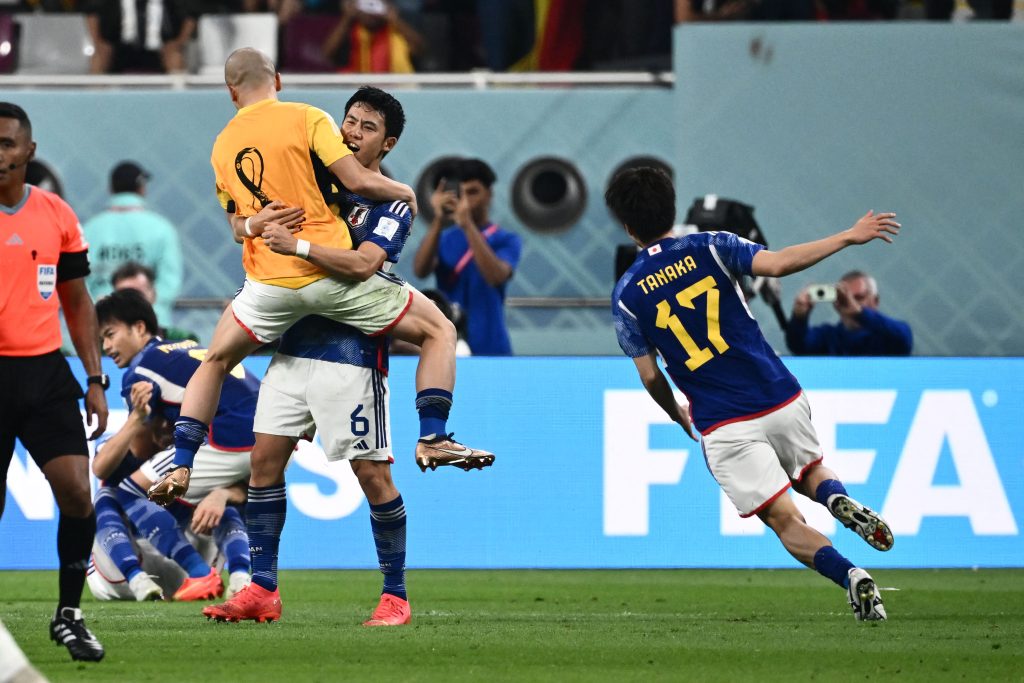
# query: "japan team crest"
{"points": [[357, 215], [46, 280]]}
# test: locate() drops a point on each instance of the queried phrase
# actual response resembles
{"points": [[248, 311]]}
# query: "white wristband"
{"points": [[302, 248], [248, 231]]}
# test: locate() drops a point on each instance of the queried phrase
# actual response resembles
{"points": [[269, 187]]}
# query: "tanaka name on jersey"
{"points": [[663, 276]]}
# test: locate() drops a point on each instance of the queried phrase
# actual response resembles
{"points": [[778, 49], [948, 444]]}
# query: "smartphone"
{"points": [[452, 185], [822, 293]]}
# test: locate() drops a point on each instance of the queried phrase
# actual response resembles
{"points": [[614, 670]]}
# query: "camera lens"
{"points": [[820, 293]]}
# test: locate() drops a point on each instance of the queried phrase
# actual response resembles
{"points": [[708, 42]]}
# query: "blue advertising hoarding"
{"points": [[590, 473]]}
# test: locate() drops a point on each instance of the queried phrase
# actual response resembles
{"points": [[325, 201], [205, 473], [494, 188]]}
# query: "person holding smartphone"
{"points": [[472, 257], [862, 330]]}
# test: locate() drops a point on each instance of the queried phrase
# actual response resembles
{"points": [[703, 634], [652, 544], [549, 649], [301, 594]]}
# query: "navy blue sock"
{"points": [[112, 534], [233, 541], [189, 435], [828, 488], [161, 529], [830, 564], [433, 405], [387, 521], [264, 514]]}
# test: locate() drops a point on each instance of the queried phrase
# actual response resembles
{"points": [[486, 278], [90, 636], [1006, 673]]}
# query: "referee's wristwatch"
{"points": [[102, 379]]}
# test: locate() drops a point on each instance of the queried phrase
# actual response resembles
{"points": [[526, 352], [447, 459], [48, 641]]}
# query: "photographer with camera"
{"points": [[862, 329], [473, 259]]}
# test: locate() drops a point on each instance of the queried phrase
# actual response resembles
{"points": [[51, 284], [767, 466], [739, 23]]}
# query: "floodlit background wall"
{"points": [[813, 125]]}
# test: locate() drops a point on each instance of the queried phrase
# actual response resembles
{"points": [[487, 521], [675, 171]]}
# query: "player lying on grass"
{"points": [[155, 375], [680, 300], [273, 150], [328, 375]]}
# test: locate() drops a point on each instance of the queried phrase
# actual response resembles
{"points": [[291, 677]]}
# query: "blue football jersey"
{"points": [[386, 224], [681, 297], [325, 339], [170, 365]]}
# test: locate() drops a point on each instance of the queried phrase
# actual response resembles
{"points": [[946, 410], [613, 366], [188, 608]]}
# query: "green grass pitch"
{"points": [[683, 625]]}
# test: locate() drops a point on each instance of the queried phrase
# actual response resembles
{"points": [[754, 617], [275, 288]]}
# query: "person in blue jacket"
{"points": [[862, 329]]}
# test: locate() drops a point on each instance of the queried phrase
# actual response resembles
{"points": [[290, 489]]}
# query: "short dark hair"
{"points": [[383, 102], [643, 199], [126, 306], [9, 110], [476, 169], [130, 269]]}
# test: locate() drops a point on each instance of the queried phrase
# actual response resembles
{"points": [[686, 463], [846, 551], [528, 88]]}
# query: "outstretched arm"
{"points": [[658, 387], [801, 256]]}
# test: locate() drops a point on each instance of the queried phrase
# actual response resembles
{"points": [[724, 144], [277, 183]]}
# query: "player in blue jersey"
{"points": [[328, 376], [681, 300], [158, 371], [364, 126], [138, 541]]}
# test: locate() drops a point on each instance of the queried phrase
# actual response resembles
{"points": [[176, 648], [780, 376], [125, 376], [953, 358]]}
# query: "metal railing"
{"points": [[473, 80]]}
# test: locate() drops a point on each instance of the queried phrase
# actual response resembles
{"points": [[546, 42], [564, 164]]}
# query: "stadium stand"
{"points": [[53, 44], [221, 34]]}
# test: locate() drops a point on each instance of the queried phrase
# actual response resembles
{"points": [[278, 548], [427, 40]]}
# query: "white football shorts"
{"points": [[756, 460], [213, 468], [373, 307], [106, 582], [348, 404]]}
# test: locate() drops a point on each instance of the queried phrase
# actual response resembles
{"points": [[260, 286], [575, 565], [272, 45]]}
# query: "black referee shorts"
{"points": [[39, 405]]}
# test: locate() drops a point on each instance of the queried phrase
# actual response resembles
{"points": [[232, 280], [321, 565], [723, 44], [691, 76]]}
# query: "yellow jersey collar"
{"points": [[261, 103]]}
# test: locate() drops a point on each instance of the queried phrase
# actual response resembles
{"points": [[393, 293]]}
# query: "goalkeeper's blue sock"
{"points": [[830, 564], [112, 534], [233, 541], [189, 435], [433, 405], [161, 529], [265, 514], [387, 521], [827, 489]]}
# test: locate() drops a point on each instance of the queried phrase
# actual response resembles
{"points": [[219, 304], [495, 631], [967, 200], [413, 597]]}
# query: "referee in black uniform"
{"points": [[43, 262]]}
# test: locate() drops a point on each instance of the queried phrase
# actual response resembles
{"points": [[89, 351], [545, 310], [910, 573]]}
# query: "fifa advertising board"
{"points": [[590, 473]]}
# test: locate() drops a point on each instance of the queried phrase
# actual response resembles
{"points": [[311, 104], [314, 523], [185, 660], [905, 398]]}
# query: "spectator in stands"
{"points": [[371, 37], [862, 329], [473, 259], [128, 231], [132, 275], [140, 37]]}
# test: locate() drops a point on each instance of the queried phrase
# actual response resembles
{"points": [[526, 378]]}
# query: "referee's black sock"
{"points": [[74, 543]]}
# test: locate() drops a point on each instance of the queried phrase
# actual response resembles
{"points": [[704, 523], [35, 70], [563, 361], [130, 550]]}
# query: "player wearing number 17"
{"points": [[680, 299]]}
